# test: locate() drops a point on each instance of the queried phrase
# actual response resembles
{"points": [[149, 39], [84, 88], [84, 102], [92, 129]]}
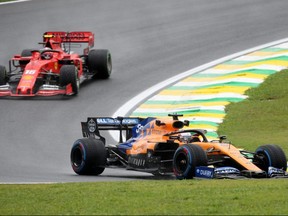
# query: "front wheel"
{"points": [[270, 155], [88, 156], [186, 158], [100, 63], [69, 74], [3, 75]]}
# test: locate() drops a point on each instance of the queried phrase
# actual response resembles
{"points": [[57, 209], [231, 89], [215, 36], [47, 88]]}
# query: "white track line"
{"points": [[12, 2]]}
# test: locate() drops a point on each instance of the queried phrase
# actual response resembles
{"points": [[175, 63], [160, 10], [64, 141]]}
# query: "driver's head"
{"points": [[195, 138], [47, 55]]}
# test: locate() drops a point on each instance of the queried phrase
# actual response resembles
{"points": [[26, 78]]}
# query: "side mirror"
{"points": [[159, 123], [186, 123]]}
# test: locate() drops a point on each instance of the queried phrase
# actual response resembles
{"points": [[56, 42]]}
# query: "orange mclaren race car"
{"points": [[55, 69], [161, 146]]}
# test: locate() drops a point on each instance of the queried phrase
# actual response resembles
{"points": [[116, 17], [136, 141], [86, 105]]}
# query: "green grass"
{"points": [[261, 119], [214, 197], [6, 0]]}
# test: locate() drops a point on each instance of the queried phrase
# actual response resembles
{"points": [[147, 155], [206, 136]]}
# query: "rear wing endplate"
{"points": [[93, 125]]}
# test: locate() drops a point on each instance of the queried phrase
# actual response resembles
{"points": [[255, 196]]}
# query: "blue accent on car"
{"points": [[224, 171], [142, 127], [126, 145], [269, 158], [273, 171], [204, 172], [136, 133]]}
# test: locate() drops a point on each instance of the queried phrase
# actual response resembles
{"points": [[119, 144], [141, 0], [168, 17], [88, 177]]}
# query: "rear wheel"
{"points": [[3, 75], [100, 63], [270, 155], [88, 156], [186, 158], [69, 74]]}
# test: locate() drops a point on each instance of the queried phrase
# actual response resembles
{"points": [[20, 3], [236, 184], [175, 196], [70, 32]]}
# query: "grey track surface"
{"points": [[149, 40]]}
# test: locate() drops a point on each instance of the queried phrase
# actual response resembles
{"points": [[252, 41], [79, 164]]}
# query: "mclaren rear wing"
{"points": [[94, 125]]}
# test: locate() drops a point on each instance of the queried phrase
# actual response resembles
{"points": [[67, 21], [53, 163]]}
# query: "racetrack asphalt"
{"points": [[150, 41]]}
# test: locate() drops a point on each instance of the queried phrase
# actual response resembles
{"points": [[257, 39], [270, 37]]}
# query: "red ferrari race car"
{"points": [[162, 146], [55, 69]]}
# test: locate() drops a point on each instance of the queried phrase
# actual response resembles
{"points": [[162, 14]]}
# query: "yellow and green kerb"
{"points": [[202, 97]]}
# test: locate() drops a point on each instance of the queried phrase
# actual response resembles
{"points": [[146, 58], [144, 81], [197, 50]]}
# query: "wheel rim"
{"points": [[181, 162], [263, 161], [77, 157]]}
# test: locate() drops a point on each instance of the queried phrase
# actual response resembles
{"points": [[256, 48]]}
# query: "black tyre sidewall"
{"points": [[194, 155], [3, 75], [100, 63], [93, 156], [25, 53], [273, 156], [69, 74], [80, 167]]}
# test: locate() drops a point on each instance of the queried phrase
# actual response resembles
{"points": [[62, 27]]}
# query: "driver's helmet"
{"points": [[47, 55], [189, 137], [185, 137]]}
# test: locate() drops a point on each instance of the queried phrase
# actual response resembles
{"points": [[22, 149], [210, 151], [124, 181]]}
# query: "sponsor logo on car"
{"points": [[91, 125], [204, 172], [226, 171]]}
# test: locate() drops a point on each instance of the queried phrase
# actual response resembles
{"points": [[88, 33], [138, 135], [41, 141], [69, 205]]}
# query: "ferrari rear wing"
{"points": [[70, 37], [93, 125]]}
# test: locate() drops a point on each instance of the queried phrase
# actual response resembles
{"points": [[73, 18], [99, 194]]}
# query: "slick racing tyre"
{"points": [[25, 53], [88, 156], [270, 155], [69, 74], [186, 158], [99, 63], [3, 75]]}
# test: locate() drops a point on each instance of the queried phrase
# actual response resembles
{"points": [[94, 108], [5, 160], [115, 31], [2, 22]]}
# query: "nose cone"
{"points": [[24, 90], [27, 82]]}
